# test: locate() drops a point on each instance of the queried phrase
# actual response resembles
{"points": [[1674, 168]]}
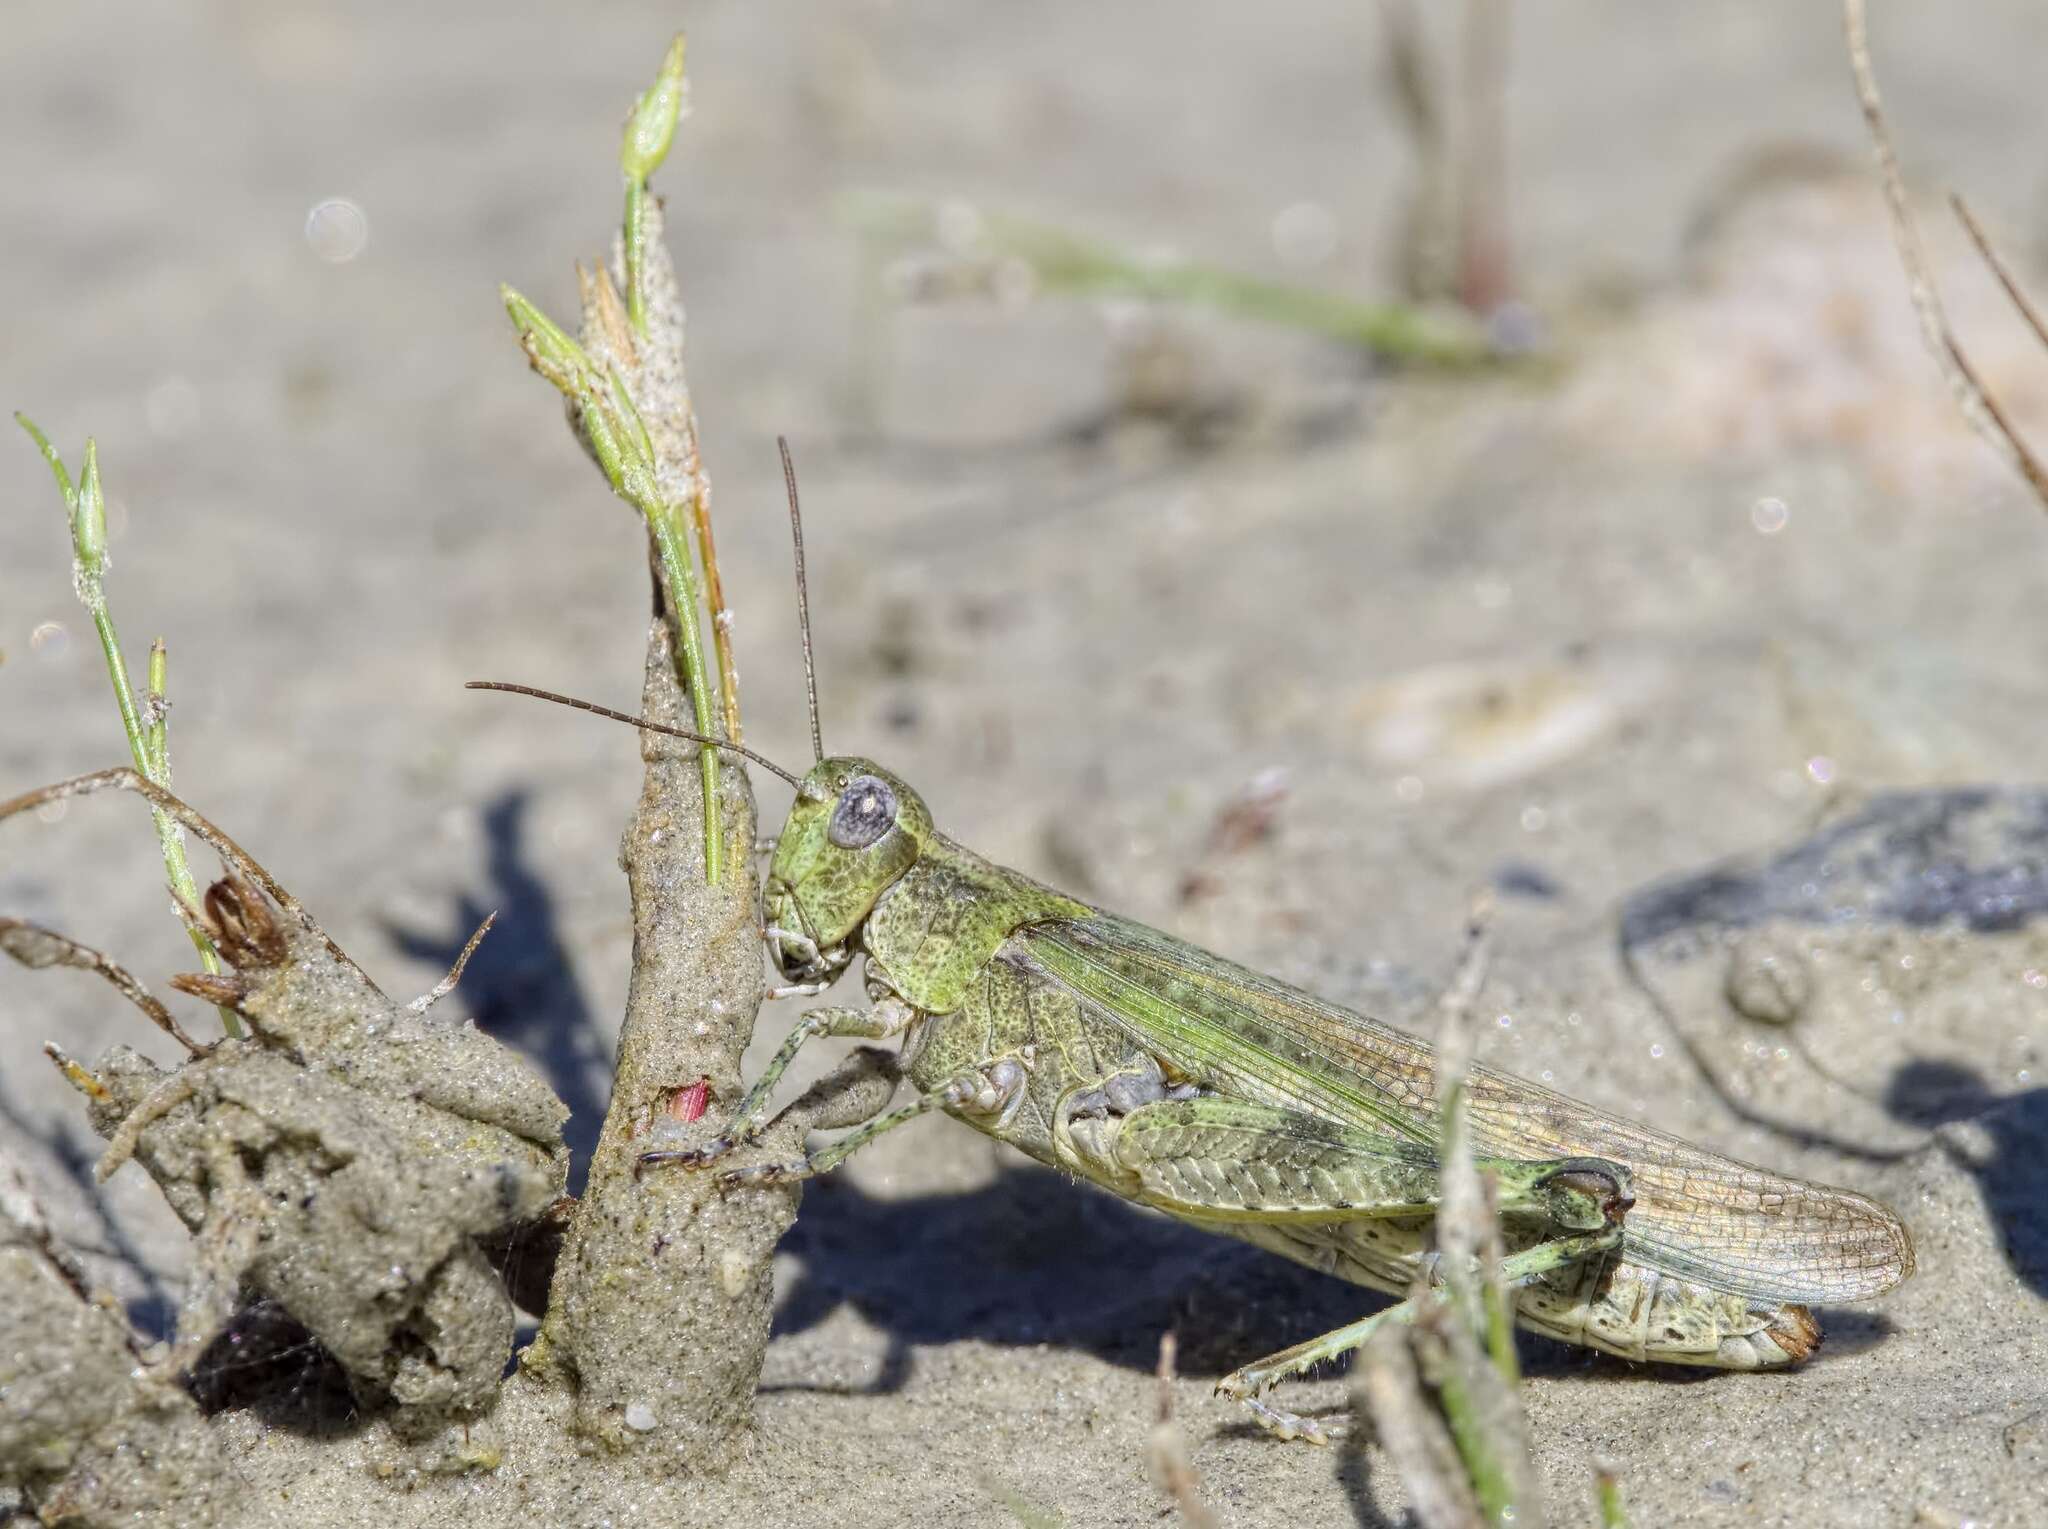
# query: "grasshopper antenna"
{"points": [[641, 722], [803, 598]]}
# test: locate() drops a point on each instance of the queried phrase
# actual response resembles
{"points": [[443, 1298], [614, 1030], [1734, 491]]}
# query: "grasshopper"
{"points": [[1179, 1080]]}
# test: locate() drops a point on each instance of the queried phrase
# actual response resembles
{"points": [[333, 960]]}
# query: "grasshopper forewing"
{"points": [[1182, 1081], [1718, 1259]]}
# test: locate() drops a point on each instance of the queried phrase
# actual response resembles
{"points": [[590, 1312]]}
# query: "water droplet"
{"points": [[337, 230], [1533, 819], [52, 812], [50, 639], [1769, 516], [1820, 769], [1506, 1021], [1656, 1052]]}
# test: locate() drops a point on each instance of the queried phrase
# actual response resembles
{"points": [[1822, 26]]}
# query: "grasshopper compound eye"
{"points": [[866, 811]]}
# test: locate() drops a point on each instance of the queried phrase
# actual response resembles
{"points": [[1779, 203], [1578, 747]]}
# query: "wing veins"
{"points": [[1697, 1215]]}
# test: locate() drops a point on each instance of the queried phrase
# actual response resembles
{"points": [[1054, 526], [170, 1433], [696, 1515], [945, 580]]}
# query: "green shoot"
{"points": [[649, 130], [619, 440], [1613, 1513], [1063, 262], [147, 726]]}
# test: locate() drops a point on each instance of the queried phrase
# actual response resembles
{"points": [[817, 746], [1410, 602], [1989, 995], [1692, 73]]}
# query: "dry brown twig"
{"points": [[1976, 402], [1389, 1391], [1999, 268], [35, 947], [1166, 1451], [446, 985]]}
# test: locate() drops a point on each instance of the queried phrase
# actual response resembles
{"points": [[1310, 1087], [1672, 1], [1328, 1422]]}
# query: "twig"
{"points": [[1999, 268], [1173, 1472], [20, 1210], [1429, 235], [446, 985], [1461, 1219], [1390, 1392], [714, 588], [1475, 1384], [1984, 414], [1485, 280], [232, 855], [36, 947], [76, 1073]]}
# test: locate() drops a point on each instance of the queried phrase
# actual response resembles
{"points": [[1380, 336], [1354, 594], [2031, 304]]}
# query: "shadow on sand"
{"points": [[520, 985]]}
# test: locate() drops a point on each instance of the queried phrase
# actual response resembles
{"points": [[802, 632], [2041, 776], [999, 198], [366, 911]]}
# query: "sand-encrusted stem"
{"points": [[658, 1312]]}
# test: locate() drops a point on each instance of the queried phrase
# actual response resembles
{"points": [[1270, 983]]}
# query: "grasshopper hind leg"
{"points": [[1248, 1385], [1287, 1179]]}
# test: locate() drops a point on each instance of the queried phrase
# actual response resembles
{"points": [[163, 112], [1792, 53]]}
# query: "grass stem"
{"points": [[147, 727]]}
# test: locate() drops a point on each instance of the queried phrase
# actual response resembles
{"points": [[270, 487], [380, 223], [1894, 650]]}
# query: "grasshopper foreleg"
{"points": [[996, 1089], [890, 1017]]}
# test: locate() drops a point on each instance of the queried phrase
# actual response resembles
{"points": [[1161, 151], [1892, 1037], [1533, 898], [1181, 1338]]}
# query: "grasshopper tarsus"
{"points": [[685, 1157], [756, 1175], [1291, 1427]]}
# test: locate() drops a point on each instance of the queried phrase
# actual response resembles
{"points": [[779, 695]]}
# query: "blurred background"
{"points": [[1639, 534]]}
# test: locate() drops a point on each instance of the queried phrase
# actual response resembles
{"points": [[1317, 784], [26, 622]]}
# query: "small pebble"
{"points": [[735, 1273], [1768, 980]]}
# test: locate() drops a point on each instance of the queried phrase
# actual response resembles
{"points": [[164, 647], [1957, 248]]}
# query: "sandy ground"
{"points": [[1715, 585]]}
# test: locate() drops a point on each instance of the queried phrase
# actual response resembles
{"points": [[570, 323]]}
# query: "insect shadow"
{"points": [[520, 985], [1027, 1259], [1031, 1259]]}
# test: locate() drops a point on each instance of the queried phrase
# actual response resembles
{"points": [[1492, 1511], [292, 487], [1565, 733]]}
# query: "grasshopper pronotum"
{"points": [[1179, 1080]]}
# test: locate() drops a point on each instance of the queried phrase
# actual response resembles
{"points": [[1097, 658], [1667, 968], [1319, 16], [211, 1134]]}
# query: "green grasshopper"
{"points": [[1179, 1080]]}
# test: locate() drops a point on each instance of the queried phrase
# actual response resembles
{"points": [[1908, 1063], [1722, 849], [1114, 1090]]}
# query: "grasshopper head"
{"points": [[852, 831]]}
